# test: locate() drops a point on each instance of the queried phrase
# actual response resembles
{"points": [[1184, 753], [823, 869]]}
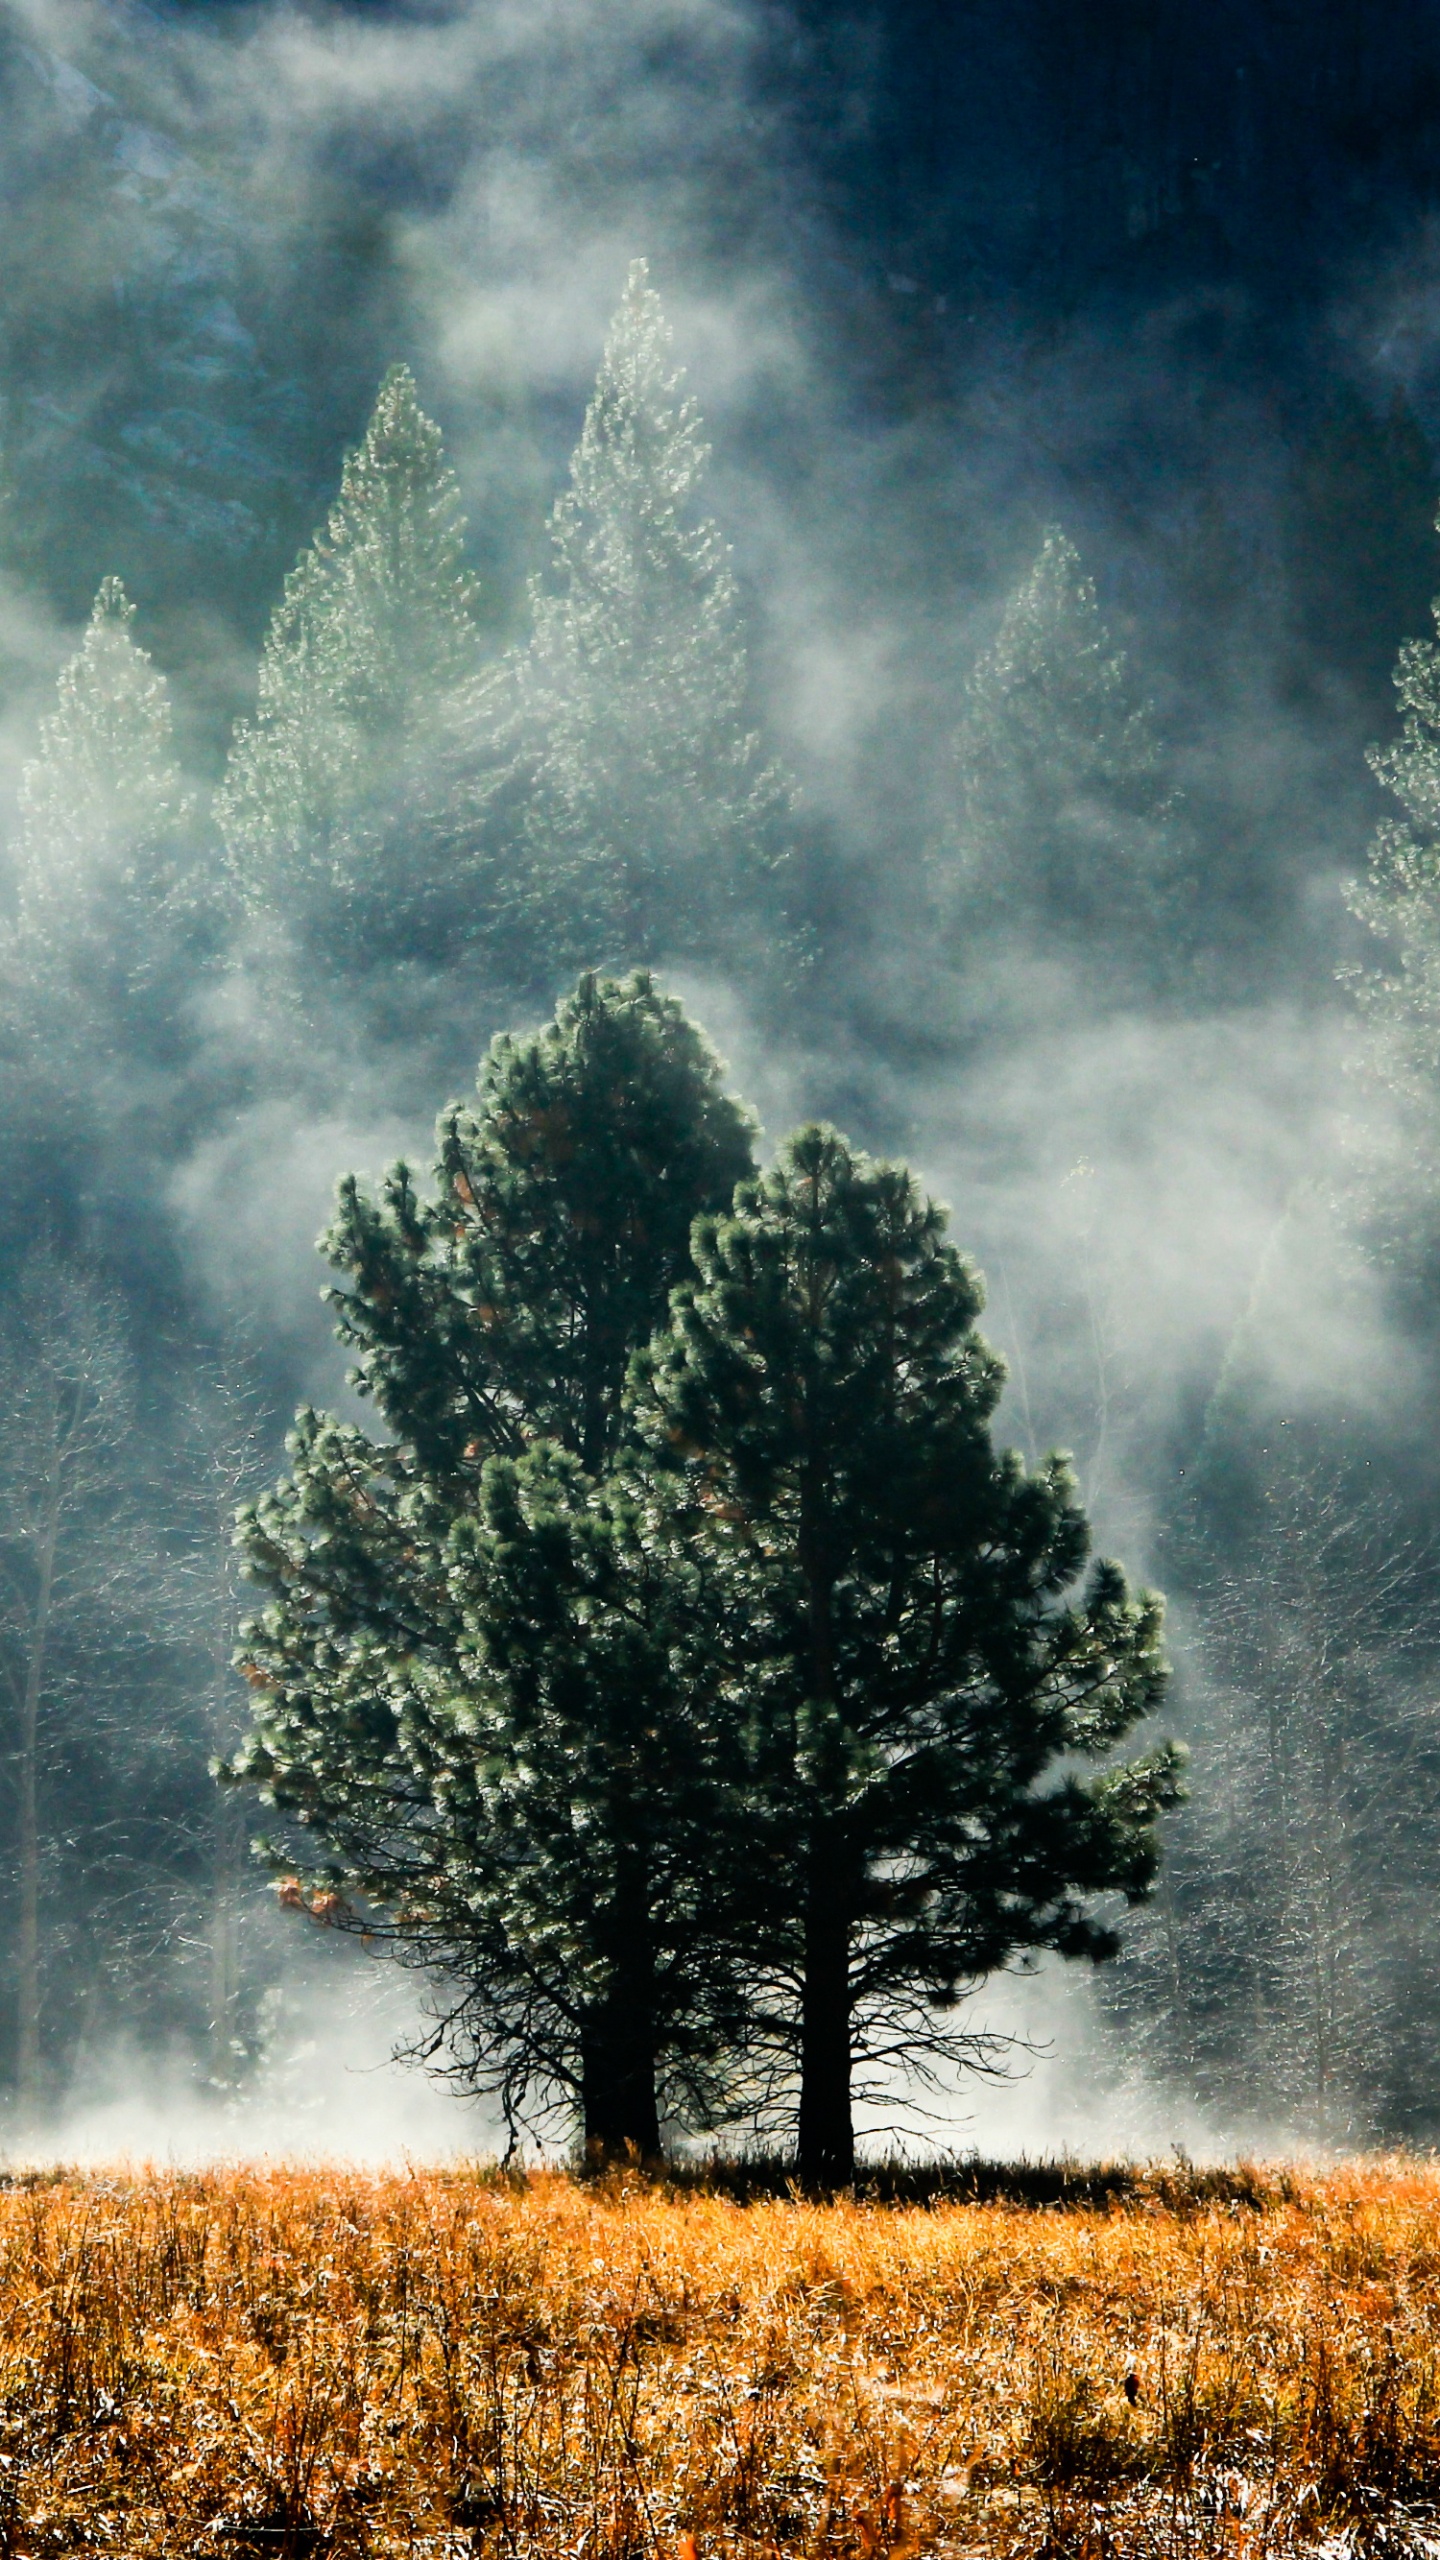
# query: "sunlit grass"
{"points": [[307, 2361]]}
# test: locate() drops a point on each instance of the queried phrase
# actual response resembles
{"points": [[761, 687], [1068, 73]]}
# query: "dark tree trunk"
{"points": [[618, 2088], [618, 2045], [827, 2129]]}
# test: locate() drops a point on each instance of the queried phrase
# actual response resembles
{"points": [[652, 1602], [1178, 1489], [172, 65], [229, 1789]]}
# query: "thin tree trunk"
{"points": [[227, 1838], [827, 2126], [27, 1961]]}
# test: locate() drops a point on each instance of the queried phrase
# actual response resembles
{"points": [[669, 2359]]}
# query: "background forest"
{"points": [[903, 521]]}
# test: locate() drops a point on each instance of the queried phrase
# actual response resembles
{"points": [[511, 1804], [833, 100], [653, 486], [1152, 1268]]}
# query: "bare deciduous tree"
{"points": [[225, 1430], [66, 1560]]}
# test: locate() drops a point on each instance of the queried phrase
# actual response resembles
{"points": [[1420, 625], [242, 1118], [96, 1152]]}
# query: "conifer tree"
{"points": [[652, 821], [499, 1713], [1065, 832], [109, 897], [328, 808], [1400, 901], [506, 1308], [484, 1673], [922, 1659]]}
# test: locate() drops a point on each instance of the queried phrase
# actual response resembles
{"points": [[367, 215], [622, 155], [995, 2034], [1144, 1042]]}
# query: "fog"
{"points": [[228, 223]]}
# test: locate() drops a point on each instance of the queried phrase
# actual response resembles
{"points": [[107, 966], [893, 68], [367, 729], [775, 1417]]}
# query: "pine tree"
{"points": [[921, 1660], [1065, 832], [1400, 901], [502, 1720], [507, 1307], [653, 822], [484, 1674], [329, 806], [110, 901]]}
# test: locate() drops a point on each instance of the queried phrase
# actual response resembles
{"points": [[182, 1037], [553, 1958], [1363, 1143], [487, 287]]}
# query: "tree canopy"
{"points": [[653, 819], [692, 1716], [483, 1669], [1065, 829], [110, 885], [328, 809], [925, 1665]]}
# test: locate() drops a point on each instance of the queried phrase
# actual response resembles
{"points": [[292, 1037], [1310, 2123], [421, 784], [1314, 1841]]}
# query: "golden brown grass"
{"points": [[321, 2361]]}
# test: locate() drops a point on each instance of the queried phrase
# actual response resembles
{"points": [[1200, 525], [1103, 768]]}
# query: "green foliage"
{"points": [[329, 810], [691, 1733], [652, 820], [922, 1666], [503, 1722], [1065, 832], [490, 1678], [508, 1305]]}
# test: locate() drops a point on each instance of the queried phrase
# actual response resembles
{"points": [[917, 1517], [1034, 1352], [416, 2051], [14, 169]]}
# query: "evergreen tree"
{"points": [[330, 810], [508, 1306], [920, 1660], [1400, 901], [652, 820], [502, 1718], [1065, 832], [109, 901], [484, 1668]]}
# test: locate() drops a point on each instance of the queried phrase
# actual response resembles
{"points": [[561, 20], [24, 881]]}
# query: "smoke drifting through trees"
{"points": [[194, 1045]]}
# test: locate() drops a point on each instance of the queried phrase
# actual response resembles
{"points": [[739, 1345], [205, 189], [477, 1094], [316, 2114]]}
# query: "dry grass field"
{"points": [[320, 2362]]}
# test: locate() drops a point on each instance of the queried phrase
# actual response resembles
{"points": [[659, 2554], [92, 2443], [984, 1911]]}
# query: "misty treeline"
{"points": [[420, 836]]}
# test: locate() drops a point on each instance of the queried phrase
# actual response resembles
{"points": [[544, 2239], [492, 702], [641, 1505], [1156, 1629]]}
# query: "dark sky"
{"points": [[1045, 150]]}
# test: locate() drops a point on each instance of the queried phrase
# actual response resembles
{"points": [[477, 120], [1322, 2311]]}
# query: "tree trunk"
{"points": [[621, 2119], [228, 1842], [827, 2128], [618, 2044]]}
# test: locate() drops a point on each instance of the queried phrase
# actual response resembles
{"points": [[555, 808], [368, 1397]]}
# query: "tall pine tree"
{"points": [[653, 822], [922, 1657], [487, 1678], [1065, 835], [332, 804]]}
